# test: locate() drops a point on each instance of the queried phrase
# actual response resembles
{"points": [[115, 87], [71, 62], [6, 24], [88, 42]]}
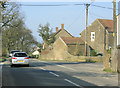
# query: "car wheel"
{"points": [[28, 65], [12, 65]]}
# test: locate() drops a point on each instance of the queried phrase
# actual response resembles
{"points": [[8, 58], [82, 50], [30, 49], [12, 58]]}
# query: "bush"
{"points": [[107, 70], [109, 51], [93, 53]]}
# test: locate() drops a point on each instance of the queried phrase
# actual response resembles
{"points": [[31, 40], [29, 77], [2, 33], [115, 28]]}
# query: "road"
{"points": [[44, 73]]}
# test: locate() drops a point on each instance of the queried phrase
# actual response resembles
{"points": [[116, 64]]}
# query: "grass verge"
{"points": [[2, 60], [107, 70]]}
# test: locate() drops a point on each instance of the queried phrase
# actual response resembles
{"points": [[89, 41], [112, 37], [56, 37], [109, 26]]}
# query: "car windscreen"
{"points": [[20, 55]]}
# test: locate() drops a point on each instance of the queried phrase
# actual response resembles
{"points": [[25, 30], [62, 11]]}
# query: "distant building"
{"points": [[35, 53], [100, 35]]}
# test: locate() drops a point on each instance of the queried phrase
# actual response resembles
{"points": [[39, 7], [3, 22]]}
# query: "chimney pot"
{"points": [[56, 29], [62, 26]]}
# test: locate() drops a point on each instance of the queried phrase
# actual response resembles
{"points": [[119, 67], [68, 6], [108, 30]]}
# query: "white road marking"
{"points": [[59, 65], [43, 61], [54, 74], [42, 68], [73, 83], [66, 67], [106, 77]]}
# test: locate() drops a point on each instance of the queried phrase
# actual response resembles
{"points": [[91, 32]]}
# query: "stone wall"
{"points": [[48, 55], [110, 39], [78, 49], [60, 52]]}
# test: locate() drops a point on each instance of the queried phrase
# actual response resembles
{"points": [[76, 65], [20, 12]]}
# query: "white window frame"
{"points": [[92, 36]]}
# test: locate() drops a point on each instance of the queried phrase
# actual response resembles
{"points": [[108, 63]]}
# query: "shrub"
{"points": [[93, 53], [107, 70]]}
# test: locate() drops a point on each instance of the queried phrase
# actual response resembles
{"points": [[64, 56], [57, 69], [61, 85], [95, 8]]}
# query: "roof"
{"points": [[72, 40], [108, 24], [35, 52], [61, 30]]}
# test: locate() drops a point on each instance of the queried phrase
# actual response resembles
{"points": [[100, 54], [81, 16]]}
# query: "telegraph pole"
{"points": [[0, 29], [87, 5], [114, 23], [114, 50]]}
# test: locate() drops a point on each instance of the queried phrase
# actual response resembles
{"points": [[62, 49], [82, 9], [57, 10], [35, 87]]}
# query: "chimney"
{"points": [[56, 29], [62, 26]]}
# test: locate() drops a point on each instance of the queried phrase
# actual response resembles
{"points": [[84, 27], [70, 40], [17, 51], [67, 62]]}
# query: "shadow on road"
{"points": [[33, 76], [26, 76]]}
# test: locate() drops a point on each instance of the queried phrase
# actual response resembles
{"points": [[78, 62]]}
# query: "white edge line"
{"points": [[73, 83], [54, 74]]}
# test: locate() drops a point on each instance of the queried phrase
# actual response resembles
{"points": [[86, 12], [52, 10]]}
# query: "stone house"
{"points": [[72, 45], [65, 45], [99, 35], [61, 32]]}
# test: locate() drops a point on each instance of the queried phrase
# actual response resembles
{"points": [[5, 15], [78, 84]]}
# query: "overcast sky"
{"points": [[71, 15]]}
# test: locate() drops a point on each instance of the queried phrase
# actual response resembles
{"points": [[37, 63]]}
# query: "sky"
{"points": [[71, 15]]}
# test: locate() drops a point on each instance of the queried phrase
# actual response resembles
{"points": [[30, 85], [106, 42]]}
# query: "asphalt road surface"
{"points": [[44, 73]]}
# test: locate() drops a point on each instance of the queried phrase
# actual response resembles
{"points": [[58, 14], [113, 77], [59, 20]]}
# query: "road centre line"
{"points": [[73, 83], [59, 65], [43, 61], [66, 67], [54, 74]]}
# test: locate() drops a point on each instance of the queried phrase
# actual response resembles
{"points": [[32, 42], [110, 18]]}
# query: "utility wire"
{"points": [[68, 5], [49, 5], [93, 14], [75, 19], [102, 7]]}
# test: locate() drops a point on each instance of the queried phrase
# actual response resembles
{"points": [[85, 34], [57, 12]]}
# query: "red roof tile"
{"points": [[72, 40], [107, 24]]}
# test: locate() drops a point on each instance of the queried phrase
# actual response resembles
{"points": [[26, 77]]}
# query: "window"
{"points": [[20, 55], [92, 36]]}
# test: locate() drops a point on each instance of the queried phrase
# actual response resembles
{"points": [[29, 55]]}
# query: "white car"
{"points": [[20, 58]]}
